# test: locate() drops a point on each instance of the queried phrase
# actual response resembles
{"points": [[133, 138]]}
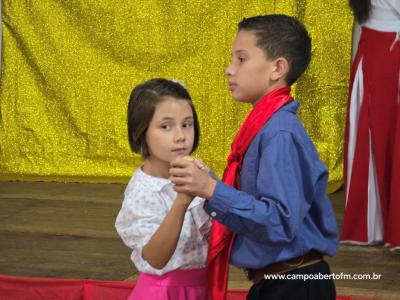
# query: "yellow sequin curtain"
{"points": [[69, 67]]}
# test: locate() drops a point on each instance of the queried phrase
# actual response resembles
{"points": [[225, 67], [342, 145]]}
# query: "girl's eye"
{"points": [[187, 124], [241, 59], [166, 127]]}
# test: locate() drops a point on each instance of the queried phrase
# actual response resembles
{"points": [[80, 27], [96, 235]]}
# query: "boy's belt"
{"points": [[310, 258]]}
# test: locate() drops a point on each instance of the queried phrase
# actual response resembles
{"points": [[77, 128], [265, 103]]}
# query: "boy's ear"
{"points": [[280, 69]]}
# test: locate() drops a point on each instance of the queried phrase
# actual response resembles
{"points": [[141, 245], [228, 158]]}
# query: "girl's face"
{"points": [[170, 134]]}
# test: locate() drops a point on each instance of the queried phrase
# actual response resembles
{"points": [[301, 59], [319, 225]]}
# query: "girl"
{"points": [[372, 145], [166, 231]]}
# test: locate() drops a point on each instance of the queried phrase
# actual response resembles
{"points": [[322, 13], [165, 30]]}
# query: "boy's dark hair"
{"points": [[282, 36], [361, 9], [141, 107]]}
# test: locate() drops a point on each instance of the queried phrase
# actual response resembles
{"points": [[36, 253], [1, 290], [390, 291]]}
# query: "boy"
{"points": [[273, 194]]}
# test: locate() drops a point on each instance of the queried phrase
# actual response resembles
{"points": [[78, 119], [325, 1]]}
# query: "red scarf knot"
{"points": [[234, 157]]}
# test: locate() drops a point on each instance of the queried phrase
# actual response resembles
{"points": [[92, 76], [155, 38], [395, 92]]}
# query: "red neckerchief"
{"points": [[221, 238]]}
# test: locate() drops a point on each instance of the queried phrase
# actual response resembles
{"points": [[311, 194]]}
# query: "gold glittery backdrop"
{"points": [[69, 66]]}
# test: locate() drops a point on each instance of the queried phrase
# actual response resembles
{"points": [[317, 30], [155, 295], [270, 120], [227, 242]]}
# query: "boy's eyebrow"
{"points": [[240, 51], [171, 118]]}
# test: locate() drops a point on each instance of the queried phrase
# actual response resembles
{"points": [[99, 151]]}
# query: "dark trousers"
{"points": [[298, 289]]}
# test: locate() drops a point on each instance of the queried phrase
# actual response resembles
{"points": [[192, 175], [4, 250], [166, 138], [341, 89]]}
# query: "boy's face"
{"points": [[250, 72]]}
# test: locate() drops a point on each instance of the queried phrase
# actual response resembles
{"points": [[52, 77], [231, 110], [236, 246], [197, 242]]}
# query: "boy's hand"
{"points": [[198, 162], [190, 176]]}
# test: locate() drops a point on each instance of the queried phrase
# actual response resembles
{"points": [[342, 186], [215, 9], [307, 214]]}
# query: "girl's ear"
{"points": [[280, 69]]}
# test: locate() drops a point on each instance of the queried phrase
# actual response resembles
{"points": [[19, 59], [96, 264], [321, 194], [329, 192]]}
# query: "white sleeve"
{"points": [[139, 218]]}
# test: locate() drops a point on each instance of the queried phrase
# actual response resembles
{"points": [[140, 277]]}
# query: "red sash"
{"points": [[221, 238]]}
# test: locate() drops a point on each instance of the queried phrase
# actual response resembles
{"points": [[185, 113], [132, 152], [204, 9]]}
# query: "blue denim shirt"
{"points": [[282, 210]]}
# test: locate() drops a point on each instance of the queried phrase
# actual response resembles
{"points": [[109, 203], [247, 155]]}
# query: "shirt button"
{"points": [[213, 214]]}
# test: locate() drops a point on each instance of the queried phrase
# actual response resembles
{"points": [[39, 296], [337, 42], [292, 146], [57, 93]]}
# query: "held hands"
{"points": [[190, 176], [185, 198]]}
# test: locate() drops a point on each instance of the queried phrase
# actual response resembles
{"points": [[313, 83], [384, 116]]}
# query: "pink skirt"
{"points": [[174, 285]]}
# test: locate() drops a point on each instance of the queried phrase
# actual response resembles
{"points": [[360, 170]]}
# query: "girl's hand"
{"points": [[184, 199]]}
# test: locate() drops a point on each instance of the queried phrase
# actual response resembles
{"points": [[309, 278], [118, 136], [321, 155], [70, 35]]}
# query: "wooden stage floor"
{"points": [[67, 231]]}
